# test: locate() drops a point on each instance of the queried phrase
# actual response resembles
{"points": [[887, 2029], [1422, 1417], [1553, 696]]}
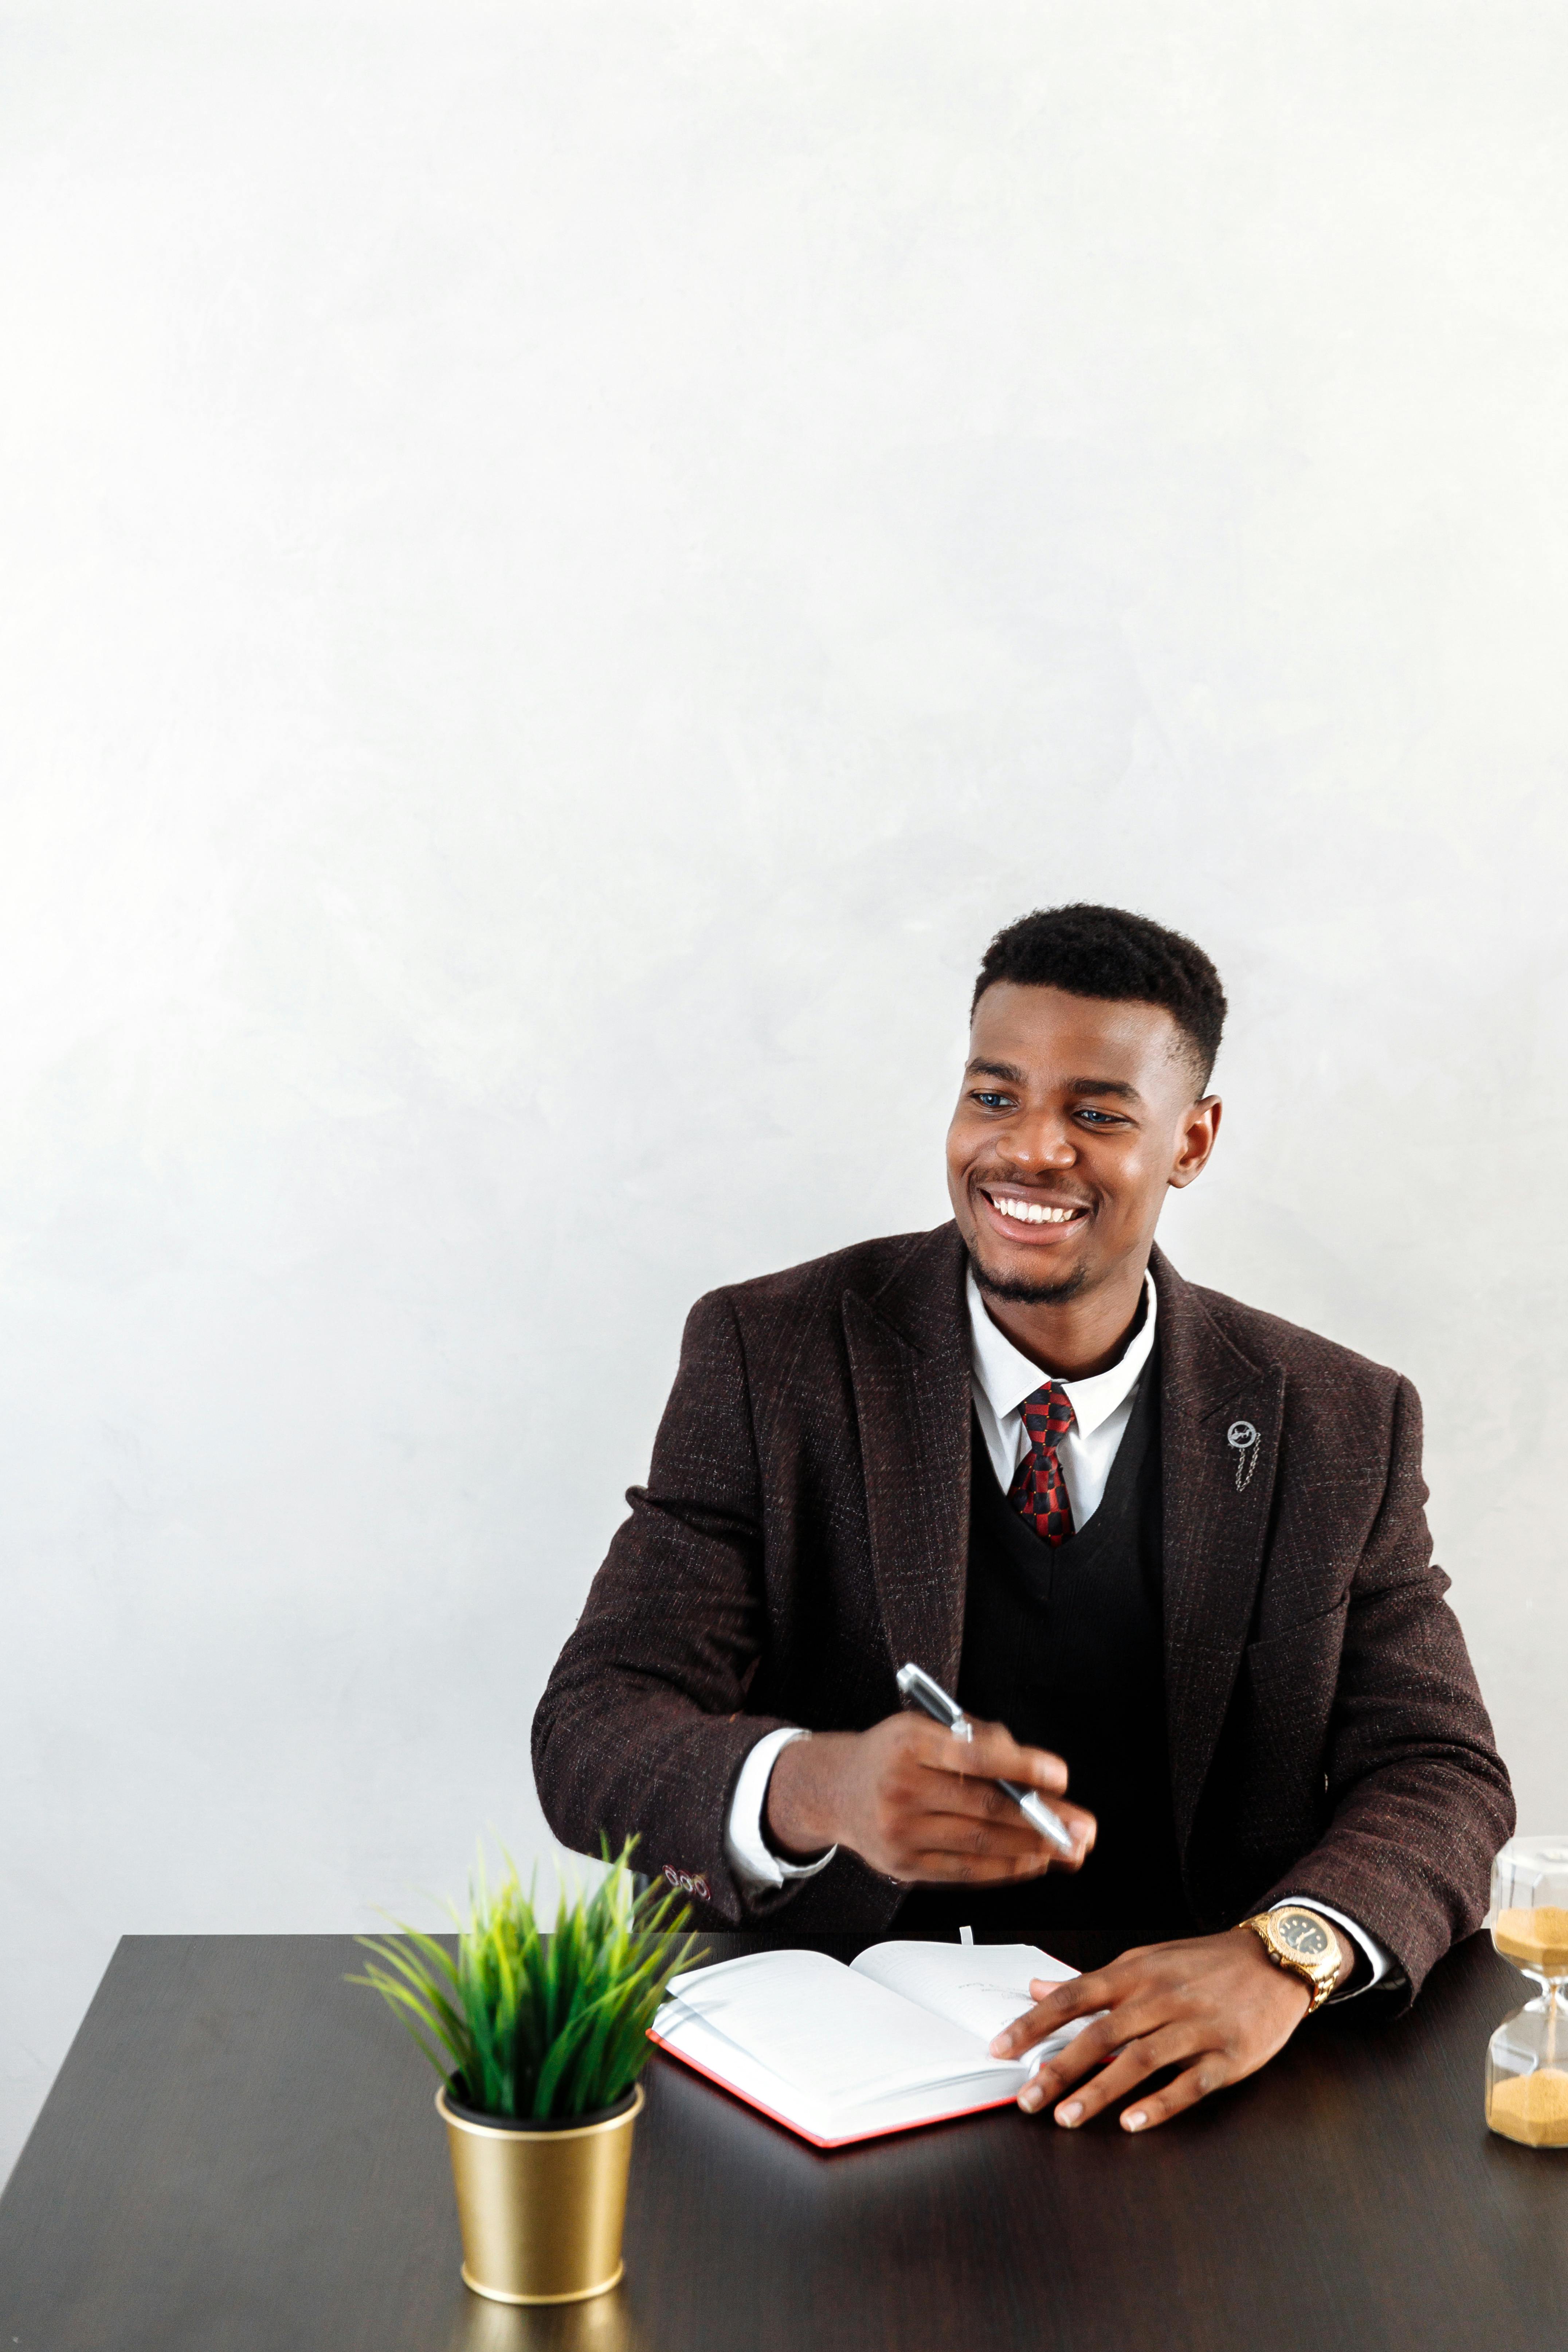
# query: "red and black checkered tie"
{"points": [[1038, 1490]]}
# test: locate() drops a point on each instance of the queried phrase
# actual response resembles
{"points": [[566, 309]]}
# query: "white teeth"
{"points": [[1032, 1212]]}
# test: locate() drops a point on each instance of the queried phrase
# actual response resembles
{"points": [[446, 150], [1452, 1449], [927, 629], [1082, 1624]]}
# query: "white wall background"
{"points": [[565, 567]]}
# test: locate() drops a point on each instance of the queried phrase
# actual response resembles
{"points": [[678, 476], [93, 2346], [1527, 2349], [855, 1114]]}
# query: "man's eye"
{"points": [[1101, 1118], [991, 1102]]}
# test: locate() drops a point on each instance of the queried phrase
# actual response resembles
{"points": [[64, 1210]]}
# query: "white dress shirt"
{"points": [[1002, 1379]]}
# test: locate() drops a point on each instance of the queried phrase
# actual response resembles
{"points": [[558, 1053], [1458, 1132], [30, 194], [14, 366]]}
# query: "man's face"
{"points": [[1074, 1118]]}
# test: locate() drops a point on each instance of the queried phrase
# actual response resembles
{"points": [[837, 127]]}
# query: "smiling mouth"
{"points": [[1018, 1209]]}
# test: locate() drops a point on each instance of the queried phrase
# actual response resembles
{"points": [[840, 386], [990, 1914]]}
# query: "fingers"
{"points": [[1083, 1829], [978, 1859], [1048, 2016], [1208, 2074], [1094, 2048], [1202, 2005], [1057, 2005], [1209, 2070], [958, 1814], [951, 1793], [918, 1805], [1126, 1985], [983, 1801], [992, 1754], [1126, 2070], [958, 1811]]}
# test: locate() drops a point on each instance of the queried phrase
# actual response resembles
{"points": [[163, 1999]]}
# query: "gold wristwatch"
{"points": [[1297, 1939]]}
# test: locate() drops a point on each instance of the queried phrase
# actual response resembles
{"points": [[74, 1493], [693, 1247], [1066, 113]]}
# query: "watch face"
{"points": [[1301, 1933]]}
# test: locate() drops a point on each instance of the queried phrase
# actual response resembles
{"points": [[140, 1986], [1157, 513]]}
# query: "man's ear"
{"points": [[1199, 1129]]}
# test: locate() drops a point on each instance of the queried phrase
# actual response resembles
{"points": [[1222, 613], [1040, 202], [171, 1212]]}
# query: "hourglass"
{"points": [[1526, 2058]]}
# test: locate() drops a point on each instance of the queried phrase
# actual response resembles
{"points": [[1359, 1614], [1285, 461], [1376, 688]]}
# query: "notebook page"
{"points": [[682, 2031], [692, 2037], [838, 2037], [980, 1987]]}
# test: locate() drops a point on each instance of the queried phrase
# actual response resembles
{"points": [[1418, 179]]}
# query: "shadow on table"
{"points": [[604, 2323]]}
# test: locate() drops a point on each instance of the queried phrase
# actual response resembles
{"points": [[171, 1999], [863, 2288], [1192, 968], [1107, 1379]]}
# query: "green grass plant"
{"points": [[532, 2025]]}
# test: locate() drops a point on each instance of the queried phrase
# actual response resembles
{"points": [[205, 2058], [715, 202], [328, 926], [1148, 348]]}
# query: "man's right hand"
{"points": [[919, 1805]]}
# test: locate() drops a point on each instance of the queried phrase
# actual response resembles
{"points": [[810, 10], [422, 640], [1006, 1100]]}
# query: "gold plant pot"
{"points": [[541, 2210]]}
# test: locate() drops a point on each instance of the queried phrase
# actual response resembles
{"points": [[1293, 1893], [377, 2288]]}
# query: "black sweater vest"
{"points": [[1064, 1645]]}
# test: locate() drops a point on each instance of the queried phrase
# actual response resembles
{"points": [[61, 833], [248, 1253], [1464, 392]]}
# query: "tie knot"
{"points": [[1048, 1413]]}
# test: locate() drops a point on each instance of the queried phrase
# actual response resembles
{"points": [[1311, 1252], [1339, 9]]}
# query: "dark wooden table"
{"points": [[241, 2156]]}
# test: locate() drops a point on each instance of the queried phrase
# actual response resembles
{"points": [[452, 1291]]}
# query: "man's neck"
{"points": [[1072, 1339]]}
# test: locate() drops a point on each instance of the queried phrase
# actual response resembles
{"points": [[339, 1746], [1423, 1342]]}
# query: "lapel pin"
{"points": [[1243, 1438]]}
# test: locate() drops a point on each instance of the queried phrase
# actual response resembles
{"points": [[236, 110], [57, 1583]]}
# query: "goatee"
{"points": [[1020, 1292]]}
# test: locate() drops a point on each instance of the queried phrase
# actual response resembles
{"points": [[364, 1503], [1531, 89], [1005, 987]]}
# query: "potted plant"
{"points": [[539, 2039]]}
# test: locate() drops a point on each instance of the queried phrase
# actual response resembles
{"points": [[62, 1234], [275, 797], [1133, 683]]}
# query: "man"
{"points": [[1170, 1550]]}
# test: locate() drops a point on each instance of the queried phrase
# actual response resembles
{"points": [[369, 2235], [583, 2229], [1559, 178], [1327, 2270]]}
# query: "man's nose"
{"points": [[1043, 1140]]}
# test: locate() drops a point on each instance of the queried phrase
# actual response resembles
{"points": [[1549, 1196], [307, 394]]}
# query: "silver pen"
{"points": [[916, 1684]]}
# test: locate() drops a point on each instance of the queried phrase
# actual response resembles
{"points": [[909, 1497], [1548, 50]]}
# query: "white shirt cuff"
{"points": [[744, 1844], [1380, 1962]]}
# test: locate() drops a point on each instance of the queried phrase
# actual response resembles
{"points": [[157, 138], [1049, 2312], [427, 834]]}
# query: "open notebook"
{"points": [[898, 2038]]}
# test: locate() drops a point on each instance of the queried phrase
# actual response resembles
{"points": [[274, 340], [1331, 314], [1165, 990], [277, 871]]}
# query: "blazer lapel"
{"points": [[1219, 1430], [908, 1361]]}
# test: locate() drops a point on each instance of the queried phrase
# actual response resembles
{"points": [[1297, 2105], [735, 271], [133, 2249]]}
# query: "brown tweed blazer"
{"points": [[804, 1532]]}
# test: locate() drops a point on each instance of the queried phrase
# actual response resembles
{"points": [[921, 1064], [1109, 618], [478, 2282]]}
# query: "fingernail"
{"points": [[1134, 2122], [1002, 2046], [1069, 2111], [1029, 2098]]}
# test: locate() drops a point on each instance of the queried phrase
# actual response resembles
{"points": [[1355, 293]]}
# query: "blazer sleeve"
{"points": [[641, 1731], [1419, 1797]]}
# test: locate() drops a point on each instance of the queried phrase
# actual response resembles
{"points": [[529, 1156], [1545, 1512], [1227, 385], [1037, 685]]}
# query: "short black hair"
{"points": [[1105, 951]]}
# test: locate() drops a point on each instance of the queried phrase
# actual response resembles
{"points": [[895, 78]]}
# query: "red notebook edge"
{"points": [[849, 2139]]}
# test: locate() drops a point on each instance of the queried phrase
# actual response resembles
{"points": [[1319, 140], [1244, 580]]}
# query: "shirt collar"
{"points": [[1007, 1377]]}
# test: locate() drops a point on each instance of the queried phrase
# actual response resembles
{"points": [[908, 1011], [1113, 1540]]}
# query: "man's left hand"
{"points": [[1217, 2007]]}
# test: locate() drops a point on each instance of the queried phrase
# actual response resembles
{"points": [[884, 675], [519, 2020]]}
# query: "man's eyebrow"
{"points": [[1010, 1071]]}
